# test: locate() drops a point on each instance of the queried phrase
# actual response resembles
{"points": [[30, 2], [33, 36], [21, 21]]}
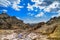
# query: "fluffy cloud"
{"points": [[45, 5], [41, 4], [39, 15], [12, 3], [52, 7], [30, 14], [4, 3], [37, 2], [30, 7], [16, 7]]}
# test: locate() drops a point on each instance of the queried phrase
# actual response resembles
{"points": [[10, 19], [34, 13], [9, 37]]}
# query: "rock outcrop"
{"points": [[11, 22]]}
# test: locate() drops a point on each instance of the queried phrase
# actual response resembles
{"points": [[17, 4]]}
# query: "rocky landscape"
{"points": [[12, 28]]}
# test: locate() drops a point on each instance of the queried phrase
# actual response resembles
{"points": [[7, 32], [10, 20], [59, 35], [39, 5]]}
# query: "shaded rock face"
{"points": [[8, 22], [38, 25]]}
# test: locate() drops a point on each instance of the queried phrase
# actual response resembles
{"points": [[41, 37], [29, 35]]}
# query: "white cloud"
{"points": [[4, 3], [16, 7], [47, 5], [42, 5], [58, 11], [29, 20], [37, 5], [39, 15], [57, 14], [30, 7], [18, 17], [54, 5], [4, 10], [37, 1], [30, 14], [13, 3]]}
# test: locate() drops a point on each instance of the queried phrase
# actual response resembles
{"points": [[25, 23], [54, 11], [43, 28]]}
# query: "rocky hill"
{"points": [[11, 22], [50, 28]]}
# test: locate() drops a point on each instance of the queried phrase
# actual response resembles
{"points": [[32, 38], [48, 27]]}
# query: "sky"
{"points": [[31, 11]]}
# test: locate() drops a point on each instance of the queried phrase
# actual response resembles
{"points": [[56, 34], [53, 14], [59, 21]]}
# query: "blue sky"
{"points": [[31, 11]]}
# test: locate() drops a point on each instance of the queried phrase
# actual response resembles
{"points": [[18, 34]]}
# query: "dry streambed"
{"points": [[13, 35]]}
